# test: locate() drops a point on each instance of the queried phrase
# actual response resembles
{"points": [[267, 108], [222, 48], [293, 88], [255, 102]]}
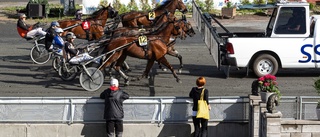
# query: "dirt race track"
{"points": [[20, 77]]}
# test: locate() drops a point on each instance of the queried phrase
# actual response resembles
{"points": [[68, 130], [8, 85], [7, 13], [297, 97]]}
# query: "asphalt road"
{"points": [[20, 77]]}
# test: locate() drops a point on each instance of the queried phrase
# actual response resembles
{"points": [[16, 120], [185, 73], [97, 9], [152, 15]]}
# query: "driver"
{"points": [[26, 30], [73, 53]]}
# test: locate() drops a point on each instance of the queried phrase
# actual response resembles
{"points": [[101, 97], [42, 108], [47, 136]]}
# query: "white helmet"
{"points": [[22, 15], [70, 35], [58, 30]]}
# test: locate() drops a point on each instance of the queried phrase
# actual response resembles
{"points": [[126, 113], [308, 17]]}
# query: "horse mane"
{"points": [[96, 13], [163, 5], [160, 28]]}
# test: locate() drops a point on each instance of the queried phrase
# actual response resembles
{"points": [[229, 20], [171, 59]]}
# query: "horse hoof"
{"points": [[180, 71], [126, 82], [164, 69], [179, 81]]}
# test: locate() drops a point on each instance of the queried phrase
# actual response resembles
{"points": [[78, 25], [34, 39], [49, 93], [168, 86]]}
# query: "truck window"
{"points": [[291, 21]]}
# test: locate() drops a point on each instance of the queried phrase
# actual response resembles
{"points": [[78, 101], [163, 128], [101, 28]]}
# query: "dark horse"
{"points": [[150, 52], [97, 21], [137, 18], [155, 51], [165, 33]]}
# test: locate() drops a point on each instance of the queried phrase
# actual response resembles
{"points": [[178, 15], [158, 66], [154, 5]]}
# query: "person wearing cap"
{"points": [[73, 53], [113, 111], [51, 34], [57, 42], [28, 31]]}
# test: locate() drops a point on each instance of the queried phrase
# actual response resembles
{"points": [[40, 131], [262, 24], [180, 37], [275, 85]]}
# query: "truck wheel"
{"points": [[265, 64]]}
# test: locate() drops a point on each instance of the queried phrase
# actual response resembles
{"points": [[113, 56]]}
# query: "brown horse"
{"points": [[97, 21], [169, 29], [155, 51], [165, 32], [136, 18]]}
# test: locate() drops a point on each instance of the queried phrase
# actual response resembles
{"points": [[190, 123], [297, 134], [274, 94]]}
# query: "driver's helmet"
{"points": [[55, 23], [70, 35], [58, 30], [22, 15]]}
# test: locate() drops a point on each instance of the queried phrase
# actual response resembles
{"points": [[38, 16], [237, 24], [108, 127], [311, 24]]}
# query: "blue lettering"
{"points": [[317, 53], [305, 53]]}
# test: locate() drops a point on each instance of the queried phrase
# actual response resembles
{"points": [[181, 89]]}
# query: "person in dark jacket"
{"points": [[51, 34], [113, 111], [195, 95]]}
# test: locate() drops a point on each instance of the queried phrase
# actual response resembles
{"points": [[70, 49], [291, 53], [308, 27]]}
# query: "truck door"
{"points": [[314, 27]]}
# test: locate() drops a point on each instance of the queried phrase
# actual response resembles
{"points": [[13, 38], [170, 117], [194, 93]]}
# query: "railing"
{"points": [[137, 109], [210, 38], [141, 109]]}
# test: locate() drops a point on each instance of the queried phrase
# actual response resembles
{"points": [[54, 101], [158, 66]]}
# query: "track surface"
{"points": [[20, 77]]}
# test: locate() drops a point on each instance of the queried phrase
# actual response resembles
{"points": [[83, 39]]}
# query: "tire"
{"points": [[68, 73], [56, 63], [95, 82], [265, 64], [40, 56]]}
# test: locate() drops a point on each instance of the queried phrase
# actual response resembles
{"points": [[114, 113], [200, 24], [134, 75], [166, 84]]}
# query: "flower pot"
{"points": [[265, 96], [228, 12]]}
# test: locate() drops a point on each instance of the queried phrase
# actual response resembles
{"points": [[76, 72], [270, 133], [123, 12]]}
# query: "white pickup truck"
{"points": [[284, 44]]}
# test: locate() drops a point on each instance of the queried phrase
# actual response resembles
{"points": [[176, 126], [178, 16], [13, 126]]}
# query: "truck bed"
{"points": [[242, 34]]}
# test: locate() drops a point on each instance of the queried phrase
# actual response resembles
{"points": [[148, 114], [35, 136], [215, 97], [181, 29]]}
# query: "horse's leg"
{"points": [[175, 53], [147, 70], [118, 66], [165, 62], [122, 74]]}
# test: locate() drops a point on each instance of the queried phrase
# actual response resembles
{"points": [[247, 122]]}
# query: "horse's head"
{"points": [[105, 12], [187, 27], [111, 11], [181, 7], [172, 5]]}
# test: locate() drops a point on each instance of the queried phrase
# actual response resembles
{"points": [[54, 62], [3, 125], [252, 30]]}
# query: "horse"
{"points": [[161, 31], [164, 33], [154, 51], [97, 21], [137, 18], [171, 29], [129, 31]]}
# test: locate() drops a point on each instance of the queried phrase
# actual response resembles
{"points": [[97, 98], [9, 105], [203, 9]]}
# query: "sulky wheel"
{"points": [[39, 54], [68, 72], [265, 64], [92, 79], [56, 63]]}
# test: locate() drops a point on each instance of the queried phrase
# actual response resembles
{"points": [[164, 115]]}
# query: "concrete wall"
{"points": [[300, 128], [217, 129]]}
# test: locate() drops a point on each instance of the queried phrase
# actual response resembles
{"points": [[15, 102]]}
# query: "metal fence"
{"points": [[137, 109], [141, 109]]}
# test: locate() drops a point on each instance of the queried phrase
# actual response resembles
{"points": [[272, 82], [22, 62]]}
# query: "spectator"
{"points": [[113, 111], [195, 95], [28, 31]]}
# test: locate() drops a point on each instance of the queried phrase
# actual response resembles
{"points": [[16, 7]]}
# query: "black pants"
{"points": [[114, 126], [204, 127]]}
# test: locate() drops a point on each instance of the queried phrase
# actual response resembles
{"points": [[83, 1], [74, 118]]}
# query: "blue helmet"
{"points": [[55, 23]]}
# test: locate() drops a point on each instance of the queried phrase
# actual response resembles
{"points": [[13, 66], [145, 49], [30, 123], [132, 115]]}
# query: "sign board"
{"points": [[89, 6]]}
